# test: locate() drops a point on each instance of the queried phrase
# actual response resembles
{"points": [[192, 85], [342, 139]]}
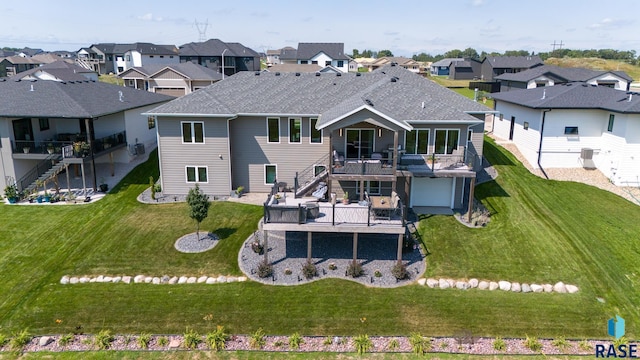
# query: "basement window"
{"points": [[571, 130], [526, 125], [612, 118]]}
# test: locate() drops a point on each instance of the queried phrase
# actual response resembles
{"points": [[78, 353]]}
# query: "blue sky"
{"points": [[404, 27]]}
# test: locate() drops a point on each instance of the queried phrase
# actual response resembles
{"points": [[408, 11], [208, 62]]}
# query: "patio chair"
{"points": [[338, 159]]}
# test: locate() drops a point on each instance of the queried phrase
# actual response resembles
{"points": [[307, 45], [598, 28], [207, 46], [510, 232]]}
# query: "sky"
{"points": [[404, 27]]}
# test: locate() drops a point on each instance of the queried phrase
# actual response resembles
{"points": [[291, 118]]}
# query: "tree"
{"points": [[470, 53], [383, 53], [455, 53], [198, 206], [356, 54]]}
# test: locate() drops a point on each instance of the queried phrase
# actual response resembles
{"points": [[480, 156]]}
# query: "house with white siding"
{"points": [[574, 125]]}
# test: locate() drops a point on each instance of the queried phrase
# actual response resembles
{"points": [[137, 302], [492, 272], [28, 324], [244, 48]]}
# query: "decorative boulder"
{"points": [[83, 280], [547, 287], [559, 287], [473, 283], [483, 285], [107, 279], [462, 285], [126, 279], [526, 288], [73, 280], [222, 279], [504, 285], [572, 289], [451, 282], [536, 288], [242, 279], [64, 280], [443, 284], [192, 280], [211, 280], [100, 279], [182, 280], [432, 283], [201, 279], [45, 340], [165, 279], [156, 280], [174, 343], [138, 279], [422, 281], [173, 280], [231, 279], [116, 279], [148, 280], [494, 286], [515, 287]]}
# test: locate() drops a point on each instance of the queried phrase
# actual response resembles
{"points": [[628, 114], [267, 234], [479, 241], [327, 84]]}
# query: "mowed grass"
{"points": [[540, 231]]}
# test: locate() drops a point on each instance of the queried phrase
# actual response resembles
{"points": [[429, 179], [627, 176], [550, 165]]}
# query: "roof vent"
{"points": [[393, 64], [394, 79], [31, 88], [297, 74], [423, 104], [277, 73], [544, 94], [338, 74], [585, 85], [630, 96], [120, 96], [257, 73], [358, 74], [369, 102], [317, 74]]}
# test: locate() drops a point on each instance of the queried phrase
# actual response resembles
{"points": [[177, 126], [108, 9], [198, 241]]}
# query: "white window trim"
{"points": [[273, 142], [193, 132], [318, 165], [264, 175], [367, 187], [435, 133], [428, 140], [311, 130], [289, 127], [373, 148], [186, 176]]}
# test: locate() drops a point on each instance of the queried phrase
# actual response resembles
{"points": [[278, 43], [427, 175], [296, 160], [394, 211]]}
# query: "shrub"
{"points": [[257, 247], [103, 339], [585, 345], [499, 344], [362, 343], [419, 344], [278, 343], [620, 341], [309, 269], [191, 339], [560, 343], [532, 343], [399, 270], [217, 339], [152, 188], [257, 340], [265, 269], [3, 340], [332, 266], [287, 271], [355, 269], [327, 341], [143, 340], [163, 341], [393, 344], [20, 340], [295, 340], [377, 273], [444, 344]]}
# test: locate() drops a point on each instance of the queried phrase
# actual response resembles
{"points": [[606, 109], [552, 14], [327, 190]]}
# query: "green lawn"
{"points": [[540, 231]]}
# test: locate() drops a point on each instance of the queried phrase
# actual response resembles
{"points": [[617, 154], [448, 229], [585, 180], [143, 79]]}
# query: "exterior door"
{"points": [[359, 143], [23, 130], [513, 125]]}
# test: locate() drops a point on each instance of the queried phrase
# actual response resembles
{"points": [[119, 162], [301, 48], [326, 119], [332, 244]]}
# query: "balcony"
{"points": [[68, 145], [365, 167]]}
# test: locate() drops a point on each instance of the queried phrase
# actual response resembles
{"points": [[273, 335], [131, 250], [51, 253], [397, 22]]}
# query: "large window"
{"points": [[44, 124], [417, 141], [197, 174], [295, 130], [273, 130], [315, 136], [446, 141], [270, 174], [151, 121], [192, 132], [571, 130], [340, 63], [371, 187], [611, 120]]}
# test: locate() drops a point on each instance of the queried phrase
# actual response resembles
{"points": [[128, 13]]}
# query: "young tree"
{"points": [[383, 53], [198, 206]]}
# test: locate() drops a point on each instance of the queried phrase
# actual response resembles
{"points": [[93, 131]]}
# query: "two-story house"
{"points": [[226, 58], [323, 54], [114, 58], [174, 80], [493, 66]]}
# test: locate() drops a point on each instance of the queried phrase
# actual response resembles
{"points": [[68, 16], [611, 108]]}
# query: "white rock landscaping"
{"points": [[446, 283], [154, 280]]}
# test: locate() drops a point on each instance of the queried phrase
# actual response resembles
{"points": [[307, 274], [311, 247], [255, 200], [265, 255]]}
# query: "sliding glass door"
{"points": [[359, 143]]}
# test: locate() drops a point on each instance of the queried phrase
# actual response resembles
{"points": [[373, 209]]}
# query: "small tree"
{"points": [[199, 206]]}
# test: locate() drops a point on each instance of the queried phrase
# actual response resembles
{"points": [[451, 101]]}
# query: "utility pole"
{"points": [[557, 44], [202, 32]]}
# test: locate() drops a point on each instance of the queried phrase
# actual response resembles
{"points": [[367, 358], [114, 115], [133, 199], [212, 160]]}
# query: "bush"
{"points": [[217, 339], [393, 344], [3, 340], [560, 343], [362, 343], [327, 341], [257, 340], [152, 188], [103, 339], [620, 341], [499, 344], [265, 269], [163, 341], [332, 266], [20, 340], [355, 269], [419, 344], [143, 340], [309, 269], [377, 273], [585, 345], [532, 343], [65, 340], [295, 340], [191, 339], [399, 270], [257, 247]]}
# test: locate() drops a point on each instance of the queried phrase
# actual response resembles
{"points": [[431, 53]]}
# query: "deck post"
{"points": [[84, 181], [355, 247], [472, 187], [111, 164], [266, 246], [394, 165], [309, 246], [400, 248], [361, 190], [66, 170]]}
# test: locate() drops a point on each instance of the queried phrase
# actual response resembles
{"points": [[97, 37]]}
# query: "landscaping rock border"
{"points": [[444, 283], [155, 280]]}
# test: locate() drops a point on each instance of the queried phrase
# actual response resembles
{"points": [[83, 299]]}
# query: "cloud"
{"points": [[149, 17], [392, 33], [609, 23], [478, 2]]}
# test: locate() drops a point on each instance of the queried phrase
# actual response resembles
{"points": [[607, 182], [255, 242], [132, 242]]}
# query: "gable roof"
{"points": [[61, 69], [564, 73], [333, 50], [187, 69], [446, 62], [215, 47], [577, 95], [85, 99], [391, 90], [518, 62]]}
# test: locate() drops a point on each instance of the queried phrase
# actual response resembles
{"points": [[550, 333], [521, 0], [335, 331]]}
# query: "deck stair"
{"points": [[43, 171], [307, 179]]}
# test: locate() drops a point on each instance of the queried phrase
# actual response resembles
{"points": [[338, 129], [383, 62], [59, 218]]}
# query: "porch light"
{"points": [[379, 132], [340, 132]]}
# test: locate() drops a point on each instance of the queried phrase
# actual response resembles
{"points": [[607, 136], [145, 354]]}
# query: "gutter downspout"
{"points": [[544, 115]]}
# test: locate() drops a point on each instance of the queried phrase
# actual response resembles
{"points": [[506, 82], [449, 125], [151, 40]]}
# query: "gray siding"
{"points": [[174, 156], [250, 151]]}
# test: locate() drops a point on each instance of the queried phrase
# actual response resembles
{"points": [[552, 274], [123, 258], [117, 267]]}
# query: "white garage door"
{"points": [[431, 191], [177, 92]]}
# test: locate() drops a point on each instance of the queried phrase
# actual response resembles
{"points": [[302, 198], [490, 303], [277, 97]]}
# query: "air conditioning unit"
{"points": [[139, 149], [586, 154]]}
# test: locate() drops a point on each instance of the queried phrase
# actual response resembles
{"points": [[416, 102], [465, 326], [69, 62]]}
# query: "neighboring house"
{"points": [[114, 58], [273, 56], [6, 53], [442, 67], [29, 52], [493, 66], [51, 125], [574, 125], [58, 71], [150, 54], [12, 65], [323, 54], [210, 54], [550, 75], [468, 69], [403, 62], [384, 133], [65, 54], [174, 80]]}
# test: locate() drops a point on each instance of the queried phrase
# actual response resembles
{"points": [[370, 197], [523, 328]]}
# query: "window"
{"points": [[270, 174], [151, 56], [417, 141], [197, 174], [128, 57], [327, 63], [340, 63], [304, 62], [526, 125], [151, 121], [314, 62], [295, 130], [44, 124], [192, 132], [446, 141], [161, 56], [371, 187], [318, 169], [610, 125], [571, 130], [315, 136], [273, 130], [501, 117]]}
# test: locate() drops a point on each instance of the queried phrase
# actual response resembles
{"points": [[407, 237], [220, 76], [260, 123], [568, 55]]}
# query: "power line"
{"points": [[556, 44], [202, 32]]}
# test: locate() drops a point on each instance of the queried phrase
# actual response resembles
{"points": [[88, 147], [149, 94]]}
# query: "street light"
{"points": [[223, 51]]}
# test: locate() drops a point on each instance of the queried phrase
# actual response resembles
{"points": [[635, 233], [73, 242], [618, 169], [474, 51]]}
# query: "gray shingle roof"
{"points": [[84, 99], [215, 47], [519, 62], [563, 73], [573, 96], [328, 95], [295, 68], [189, 69], [61, 69], [308, 50], [446, 61]]}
